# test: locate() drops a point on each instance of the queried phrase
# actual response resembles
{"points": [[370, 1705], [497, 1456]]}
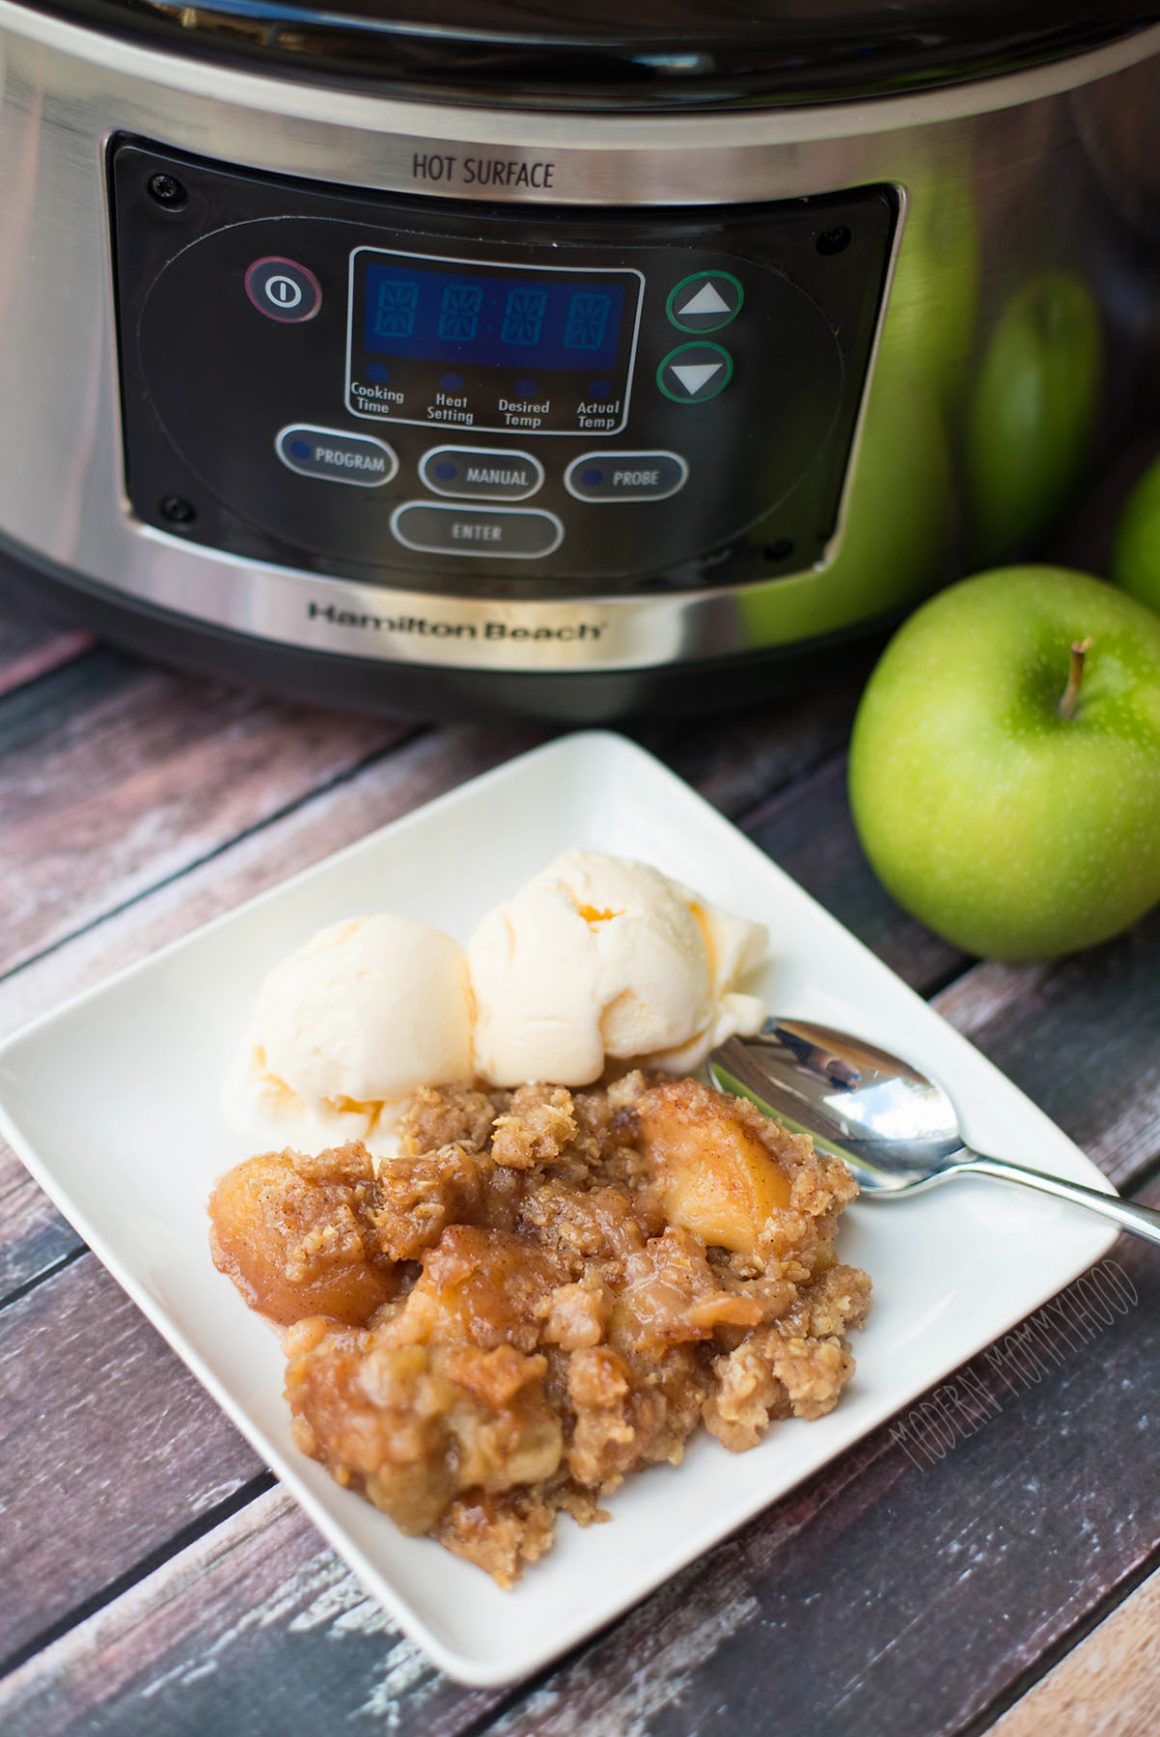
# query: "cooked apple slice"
{"points": [[715, 1176], [293, 1233]]}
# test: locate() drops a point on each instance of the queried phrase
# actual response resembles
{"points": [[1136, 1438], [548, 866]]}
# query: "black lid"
{"points": [[627, 54]]}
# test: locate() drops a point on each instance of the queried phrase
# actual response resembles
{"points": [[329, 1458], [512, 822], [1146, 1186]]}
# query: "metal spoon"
{"points": [[896, 1129]]}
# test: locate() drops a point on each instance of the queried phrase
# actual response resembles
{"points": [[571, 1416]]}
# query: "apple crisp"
{"points": [[546, 1290]]}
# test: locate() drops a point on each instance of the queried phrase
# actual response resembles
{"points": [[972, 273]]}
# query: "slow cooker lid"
{"points": [[646, 55]]}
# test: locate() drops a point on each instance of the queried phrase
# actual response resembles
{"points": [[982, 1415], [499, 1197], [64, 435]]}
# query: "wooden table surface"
{"points": [[990, 1565]]}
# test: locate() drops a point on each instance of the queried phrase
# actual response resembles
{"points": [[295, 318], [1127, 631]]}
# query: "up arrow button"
{"points": [[694, 373], [705, 302]]}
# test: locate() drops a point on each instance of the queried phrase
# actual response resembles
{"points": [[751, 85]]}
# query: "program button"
{"points": [[336, 455]]}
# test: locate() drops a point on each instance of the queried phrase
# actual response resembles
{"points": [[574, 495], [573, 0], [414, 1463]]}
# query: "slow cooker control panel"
{"points": [[494, 348], [510, 399]]}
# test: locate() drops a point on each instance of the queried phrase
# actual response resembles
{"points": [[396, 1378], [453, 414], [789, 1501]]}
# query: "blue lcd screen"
{"points": [[518, 321]]}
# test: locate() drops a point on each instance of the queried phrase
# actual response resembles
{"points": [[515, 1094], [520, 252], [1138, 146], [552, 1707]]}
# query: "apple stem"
{"points": [[1070, 698]]}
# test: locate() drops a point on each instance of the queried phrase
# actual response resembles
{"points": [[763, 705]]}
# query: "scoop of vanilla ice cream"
{"points": [[269, 1115], [350, 1025], [734, 947], [596, 957]]}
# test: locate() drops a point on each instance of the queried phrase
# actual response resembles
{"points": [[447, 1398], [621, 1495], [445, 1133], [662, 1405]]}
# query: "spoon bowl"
{"points": [[896, 1129]]}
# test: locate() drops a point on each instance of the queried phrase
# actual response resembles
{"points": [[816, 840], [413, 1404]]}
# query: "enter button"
{"points": [[626, 476], [515, 533]]}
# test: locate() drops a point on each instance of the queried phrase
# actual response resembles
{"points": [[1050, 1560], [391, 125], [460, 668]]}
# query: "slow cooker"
{"points": [[557, 358]]}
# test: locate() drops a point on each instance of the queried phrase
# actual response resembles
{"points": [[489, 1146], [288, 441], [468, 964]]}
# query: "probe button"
{"points": [[336, 455], [694, 373], [481, 473], [705, 302], [626, 476], [283, 290], [507, 533]]}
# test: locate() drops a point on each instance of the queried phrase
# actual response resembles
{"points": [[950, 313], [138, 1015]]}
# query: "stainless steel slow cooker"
{"points": [[557, 358]]}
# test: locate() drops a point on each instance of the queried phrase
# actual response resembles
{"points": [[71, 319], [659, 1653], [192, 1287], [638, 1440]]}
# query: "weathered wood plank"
{"points": [[25, 656], [265, 1567], [114, 777], [187, 1650], [109, 1447], [32, 645], [809, 832], [35, 1236], [738, 762], [1081, 1036], [1109, 1686], [821, 1615]]}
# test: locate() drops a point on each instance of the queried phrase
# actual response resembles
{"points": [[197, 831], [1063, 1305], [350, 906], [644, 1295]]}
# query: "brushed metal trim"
{"points": [[399, 626], [326, 132]]}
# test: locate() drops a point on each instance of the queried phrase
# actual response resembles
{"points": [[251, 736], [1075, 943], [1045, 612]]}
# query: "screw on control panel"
{"points": [[779, 551], [167, 190], [177, 510], [833, 240]]}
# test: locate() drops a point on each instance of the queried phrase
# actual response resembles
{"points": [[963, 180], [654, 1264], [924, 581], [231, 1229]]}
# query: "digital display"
{"points": [[554, 322]]}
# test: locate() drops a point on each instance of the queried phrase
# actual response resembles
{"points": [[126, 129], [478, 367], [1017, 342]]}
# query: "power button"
{"points": [[283, 290]]}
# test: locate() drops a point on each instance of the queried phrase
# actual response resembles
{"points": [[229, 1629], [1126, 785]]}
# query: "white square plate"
{"points": [[113, 1105]]}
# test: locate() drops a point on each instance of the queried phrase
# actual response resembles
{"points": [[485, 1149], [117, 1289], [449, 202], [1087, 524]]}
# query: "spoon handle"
{"points": [[1141, 1221]]}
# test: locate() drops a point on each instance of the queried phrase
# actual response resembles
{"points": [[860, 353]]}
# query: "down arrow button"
{"points": [[694, 373]]}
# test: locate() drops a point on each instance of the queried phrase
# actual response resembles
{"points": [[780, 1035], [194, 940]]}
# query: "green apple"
{"points": [[1005, 763], [1033, 412], [1136, 551]]}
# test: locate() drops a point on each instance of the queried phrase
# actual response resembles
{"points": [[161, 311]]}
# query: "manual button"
{"points": [[626, 476], [336, 455], [513, 533], [481, 473]]}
